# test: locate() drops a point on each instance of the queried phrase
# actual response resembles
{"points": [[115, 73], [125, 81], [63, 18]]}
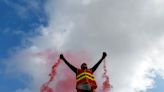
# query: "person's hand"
{"points": [[104, 54], [61, 56]]}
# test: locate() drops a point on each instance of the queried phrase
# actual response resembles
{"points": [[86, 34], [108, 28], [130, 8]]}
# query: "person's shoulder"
{"points": [[89, 69], [77, 70]]}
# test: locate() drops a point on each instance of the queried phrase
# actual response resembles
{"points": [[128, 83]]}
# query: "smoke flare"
{"points": [[69, 83], [106, 84], [45, 87]]}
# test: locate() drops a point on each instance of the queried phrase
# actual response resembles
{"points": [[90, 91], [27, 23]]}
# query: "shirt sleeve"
{"points": [[74, 69], [96, 65]]}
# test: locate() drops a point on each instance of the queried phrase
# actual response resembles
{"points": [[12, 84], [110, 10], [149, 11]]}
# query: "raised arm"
{"points": [[99, 62], [74, 69]]}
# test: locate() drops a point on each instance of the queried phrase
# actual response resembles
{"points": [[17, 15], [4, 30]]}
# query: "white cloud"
{"points": [[131, 32]]}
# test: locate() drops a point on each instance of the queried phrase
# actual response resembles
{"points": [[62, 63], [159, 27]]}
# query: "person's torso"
{"points": [[85, 79]]}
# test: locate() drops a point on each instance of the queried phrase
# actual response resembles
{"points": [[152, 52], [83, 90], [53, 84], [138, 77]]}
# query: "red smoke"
{"points": [[106, 84], [62, 85], [68, 83], [45, 87]]}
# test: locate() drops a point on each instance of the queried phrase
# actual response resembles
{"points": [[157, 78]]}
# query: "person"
{"points": [[85, 81]]}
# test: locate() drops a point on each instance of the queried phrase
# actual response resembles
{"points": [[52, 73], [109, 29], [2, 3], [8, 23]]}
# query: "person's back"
{"points": [[85, 80]]}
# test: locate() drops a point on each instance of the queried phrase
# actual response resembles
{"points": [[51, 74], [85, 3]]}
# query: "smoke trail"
{"points": [[106, 84], [45, 87], [68, 84]]}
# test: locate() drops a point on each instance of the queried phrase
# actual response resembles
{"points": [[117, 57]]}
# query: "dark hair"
{"points": [[83, 67], [83, 64]]}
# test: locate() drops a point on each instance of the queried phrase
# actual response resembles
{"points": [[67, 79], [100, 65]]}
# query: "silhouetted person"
{"points": [[84, 77]]}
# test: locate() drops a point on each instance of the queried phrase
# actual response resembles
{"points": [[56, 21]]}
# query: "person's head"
{"points": [[84, 66]]}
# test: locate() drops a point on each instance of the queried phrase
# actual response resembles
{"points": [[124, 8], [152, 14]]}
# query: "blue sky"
{"points": [[19, 20], [158, 85], [14, 28]]}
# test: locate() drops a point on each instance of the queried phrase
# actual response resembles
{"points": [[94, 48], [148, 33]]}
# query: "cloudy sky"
{"points": [[33, 33]]}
